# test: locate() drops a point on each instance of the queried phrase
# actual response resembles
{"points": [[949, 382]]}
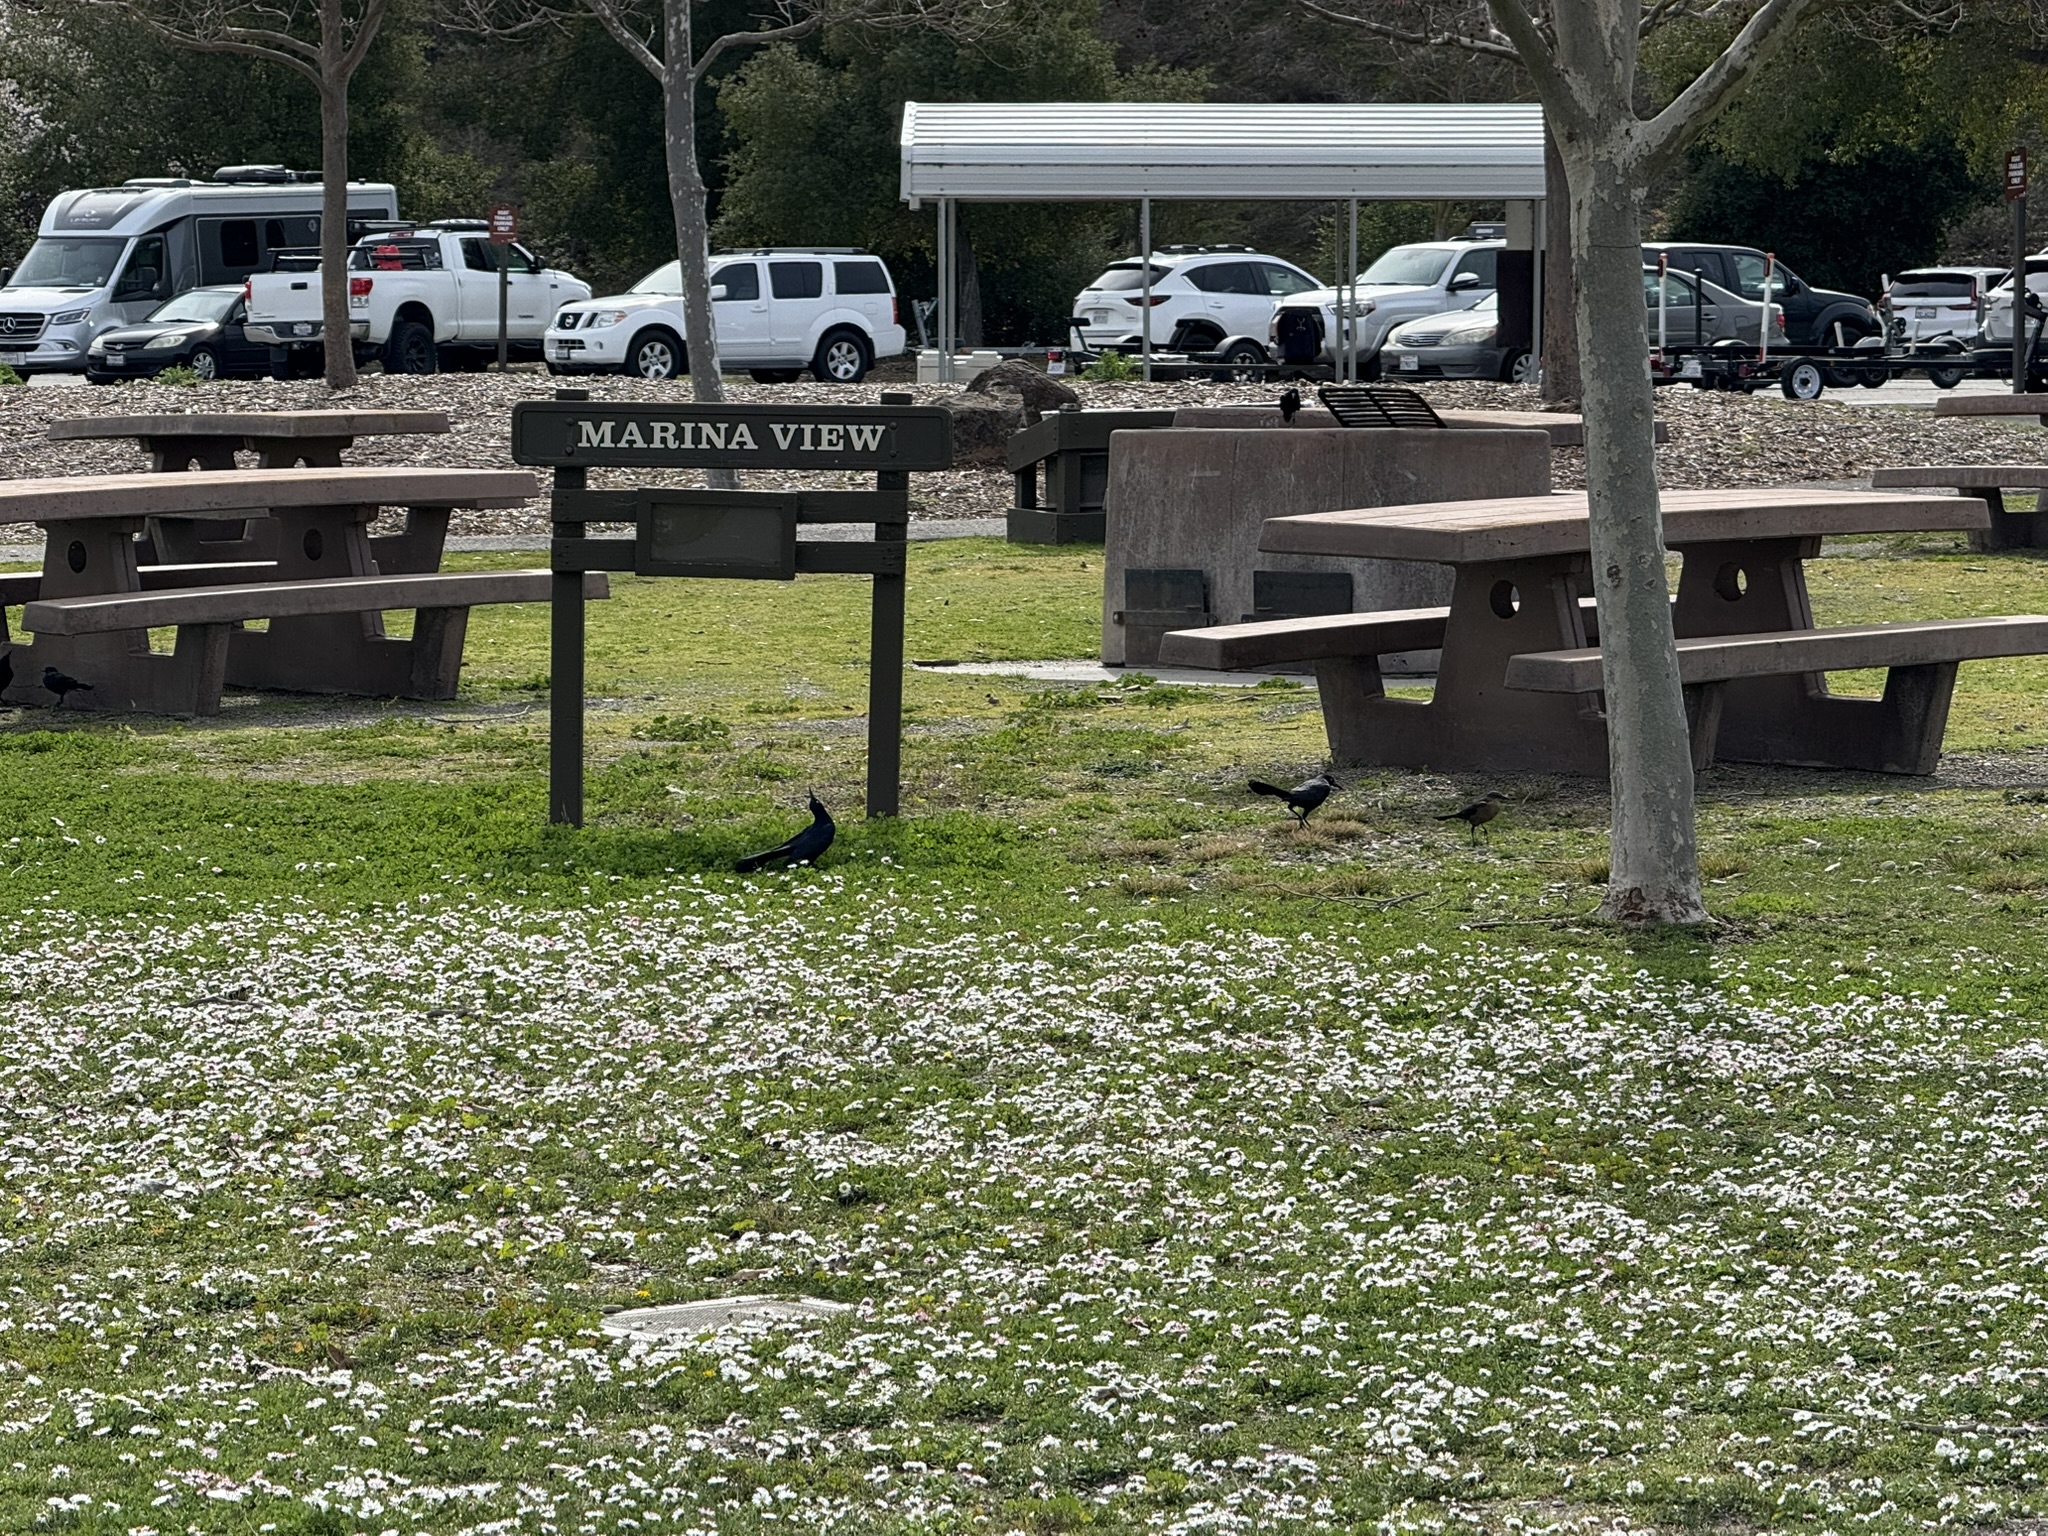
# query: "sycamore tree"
{"points": [[323, 40], [1582, 59]]}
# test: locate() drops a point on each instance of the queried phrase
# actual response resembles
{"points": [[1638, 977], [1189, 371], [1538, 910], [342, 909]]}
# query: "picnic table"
{"points": [[2035, 406], [175, 440], [178, 440], [1518, 686], [322, 589]]}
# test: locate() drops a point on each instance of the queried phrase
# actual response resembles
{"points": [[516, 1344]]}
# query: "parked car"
{"points": [[1201, 297], [1939, 301], [831, 309], [1458, 344], [201, 330], [1816, 319], [1692, 315], [419, 300], [108, 256], [1407, 282], [1998, 306]]}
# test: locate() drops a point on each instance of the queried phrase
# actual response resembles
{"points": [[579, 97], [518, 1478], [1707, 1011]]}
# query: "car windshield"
{"points": [[666, 278], [1408, 266], [199, 304], [1126, 277], [68, 262]]}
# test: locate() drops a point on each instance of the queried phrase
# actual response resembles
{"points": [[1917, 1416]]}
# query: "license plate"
{"points": [[1410, 362], [115, 360], [1689, 369], [13, 357], [1100, 317], [1923, 314]]}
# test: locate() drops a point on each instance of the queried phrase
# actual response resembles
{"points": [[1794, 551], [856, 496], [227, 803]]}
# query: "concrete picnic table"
{"points": [[2035, 406], [1520, 566], [280, 439], [317, 531]]}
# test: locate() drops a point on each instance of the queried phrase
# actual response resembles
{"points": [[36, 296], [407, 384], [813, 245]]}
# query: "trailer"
{"points": [[1235, 359]]}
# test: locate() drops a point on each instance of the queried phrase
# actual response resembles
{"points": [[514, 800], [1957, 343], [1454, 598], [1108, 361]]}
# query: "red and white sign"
{"points": [[504, 222], [2015, 175]]}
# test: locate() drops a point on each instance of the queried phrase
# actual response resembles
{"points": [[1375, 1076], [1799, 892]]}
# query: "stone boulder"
{"points": [[982, 424], [1038, 391]]}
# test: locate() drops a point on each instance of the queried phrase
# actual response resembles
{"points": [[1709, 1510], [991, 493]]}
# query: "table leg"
{"points": [[82, 559], [1744, 587], [416, 550], [1474, 722], [336, 652], [288, 452]]}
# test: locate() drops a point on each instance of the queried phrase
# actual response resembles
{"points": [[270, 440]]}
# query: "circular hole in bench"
{"points": [[75, 555], [1505, 598], [1731, 581], [313, 544]]}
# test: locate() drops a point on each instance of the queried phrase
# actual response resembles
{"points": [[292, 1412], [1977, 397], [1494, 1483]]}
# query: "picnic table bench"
{"points": [[2035, 406], [322, 591], [1988, 482], [1518, 685]]}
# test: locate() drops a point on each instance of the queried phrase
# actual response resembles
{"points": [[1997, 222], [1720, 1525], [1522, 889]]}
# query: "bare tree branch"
{"points": [[1413, 37], [1668, 134]]}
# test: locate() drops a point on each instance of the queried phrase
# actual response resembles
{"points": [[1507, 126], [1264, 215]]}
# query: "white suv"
{"points": [[1406, 283], [1203, 294], [777, 312]]}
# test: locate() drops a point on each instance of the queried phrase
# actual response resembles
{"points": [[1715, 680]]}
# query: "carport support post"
{"points": [[565, 664], [1350, 302], [946, 290], [1145, 277], [2019, 294], [885, 656]]}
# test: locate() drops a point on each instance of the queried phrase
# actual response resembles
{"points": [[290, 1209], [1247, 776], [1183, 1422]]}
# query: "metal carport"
{"points": [[1120, 151]]}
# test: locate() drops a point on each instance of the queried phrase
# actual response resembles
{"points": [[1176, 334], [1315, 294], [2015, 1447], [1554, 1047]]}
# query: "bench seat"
{"points": [[2009, 529], [1904, 733], [1322, 637]]}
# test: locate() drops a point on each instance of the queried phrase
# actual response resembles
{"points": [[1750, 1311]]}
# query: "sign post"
{"points": [[731, 535], [2016, 194], [504, 224]]}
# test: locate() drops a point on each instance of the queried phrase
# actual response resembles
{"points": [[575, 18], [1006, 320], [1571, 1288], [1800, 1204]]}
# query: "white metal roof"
{"points": [[1063, 151]]}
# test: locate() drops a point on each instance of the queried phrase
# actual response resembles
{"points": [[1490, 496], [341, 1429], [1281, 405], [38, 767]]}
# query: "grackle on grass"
{"points": [[1478, 813], [61, 684], [806, 847], [1301, 799]]}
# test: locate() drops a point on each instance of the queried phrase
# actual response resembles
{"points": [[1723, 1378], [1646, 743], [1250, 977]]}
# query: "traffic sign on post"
{"points": [[504, 222], [504, 228]]}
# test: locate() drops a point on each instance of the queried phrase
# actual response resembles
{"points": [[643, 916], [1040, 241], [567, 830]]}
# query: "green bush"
{"points": [[179, 375], [9, 376], [1112, 368]]}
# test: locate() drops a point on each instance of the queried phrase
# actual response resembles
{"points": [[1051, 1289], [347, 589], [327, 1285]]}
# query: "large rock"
{"points": [[1039, 392], [983, 424]]}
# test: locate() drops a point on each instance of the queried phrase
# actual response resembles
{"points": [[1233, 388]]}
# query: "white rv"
{"points": [[107, 256]]}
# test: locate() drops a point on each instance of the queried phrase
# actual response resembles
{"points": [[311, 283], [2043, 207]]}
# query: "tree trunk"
{"points": [[1654, 857], [969, 278], [686, 199], [1560, 329], [337, 345]]}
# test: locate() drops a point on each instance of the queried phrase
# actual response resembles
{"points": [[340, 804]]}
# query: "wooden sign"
{"points": [[2015, 175], [504, 224], [746, 536], [620, 435]]}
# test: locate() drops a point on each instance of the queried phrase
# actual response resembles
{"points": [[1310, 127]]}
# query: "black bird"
{"points": [[58, 683], [1290, 402], [806, 847], [1478, 813], [1301, 799]]}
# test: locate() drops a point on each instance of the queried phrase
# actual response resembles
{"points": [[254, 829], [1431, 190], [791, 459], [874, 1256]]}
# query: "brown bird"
{"points": [[1478, 813]]}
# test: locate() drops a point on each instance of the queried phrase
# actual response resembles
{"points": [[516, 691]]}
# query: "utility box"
{"points": [[1071, 449]]}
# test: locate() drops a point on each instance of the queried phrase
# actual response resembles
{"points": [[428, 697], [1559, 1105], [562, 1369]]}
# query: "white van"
{"points": [[108, 256]]}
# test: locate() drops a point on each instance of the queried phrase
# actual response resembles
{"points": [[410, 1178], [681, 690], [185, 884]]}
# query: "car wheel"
{"points": [[1872, 379], [1804, 380], [411, 349], [1520, 368], [842, 359], [204, 363], [1840, 378], [774, 375], [1245, 363], [1946, 378], [654, 355]]}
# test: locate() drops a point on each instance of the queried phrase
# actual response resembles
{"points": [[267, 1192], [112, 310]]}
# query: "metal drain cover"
{"points": [[695, 1317]]}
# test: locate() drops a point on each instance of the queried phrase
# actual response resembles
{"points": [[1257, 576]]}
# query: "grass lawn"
{"points": [[1188, 1171]]}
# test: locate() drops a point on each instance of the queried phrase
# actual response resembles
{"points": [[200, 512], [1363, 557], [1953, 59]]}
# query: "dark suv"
{"points": [[1816, 319]]}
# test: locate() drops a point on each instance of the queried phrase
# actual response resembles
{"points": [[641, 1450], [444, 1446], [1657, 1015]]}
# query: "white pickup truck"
{"points": [[419, 301]]}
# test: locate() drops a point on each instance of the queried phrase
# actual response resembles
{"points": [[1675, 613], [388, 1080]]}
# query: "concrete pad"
{"points": [[693, 1318]]}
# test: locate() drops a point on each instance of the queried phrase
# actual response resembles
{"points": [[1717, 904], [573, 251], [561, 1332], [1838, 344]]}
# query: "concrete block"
{"points": [[1196, 498]]}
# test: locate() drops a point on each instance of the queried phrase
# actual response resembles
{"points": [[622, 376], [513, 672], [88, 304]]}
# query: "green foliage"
{"points": [[1112, 368], [699, 728], [8, 377], [178, 376]]}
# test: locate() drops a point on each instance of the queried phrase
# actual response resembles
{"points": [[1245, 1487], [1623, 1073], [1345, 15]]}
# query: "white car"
{"points": [[1998, 307], [777, 312], [1408, 282], [1201, 295], [1940, 301]]}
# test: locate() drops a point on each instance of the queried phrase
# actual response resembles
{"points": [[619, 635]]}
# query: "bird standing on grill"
{"points": [[1301, 799], [805, 848], [60, 684], [1478, 813], [1290, 402]]}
